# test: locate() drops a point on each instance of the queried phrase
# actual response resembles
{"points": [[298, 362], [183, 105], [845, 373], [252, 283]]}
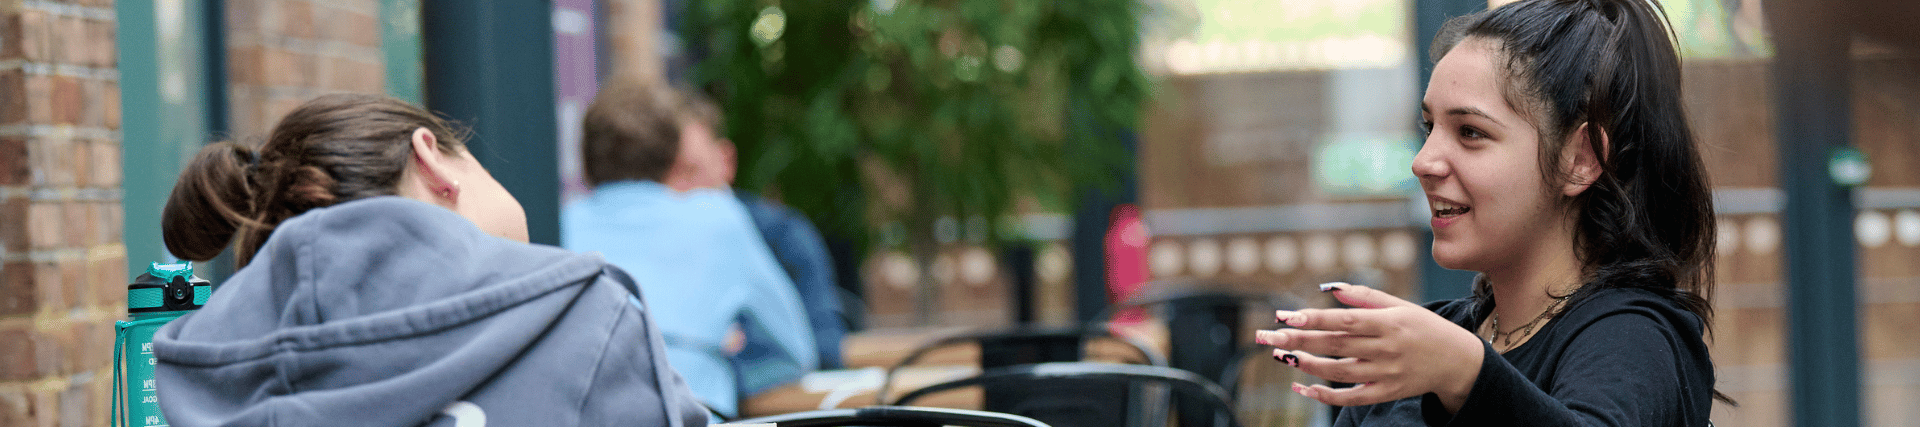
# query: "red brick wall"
{"points": [[281, 53], [61, 259], [632, 38]]}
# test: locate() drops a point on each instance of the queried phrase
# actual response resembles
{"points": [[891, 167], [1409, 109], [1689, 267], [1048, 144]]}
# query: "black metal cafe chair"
{"points": [[895, 416]]}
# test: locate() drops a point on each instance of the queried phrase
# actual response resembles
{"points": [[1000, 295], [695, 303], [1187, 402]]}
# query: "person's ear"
{"points": [[729, 162], [1577, 158], [435, 166]]}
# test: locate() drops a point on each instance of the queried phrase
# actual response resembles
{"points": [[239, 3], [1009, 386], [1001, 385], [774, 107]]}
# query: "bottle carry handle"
{"points": [[118, 406]]}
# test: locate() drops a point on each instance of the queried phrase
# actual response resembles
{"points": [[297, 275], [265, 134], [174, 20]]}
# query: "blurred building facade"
{"points": [[1229, 183]]}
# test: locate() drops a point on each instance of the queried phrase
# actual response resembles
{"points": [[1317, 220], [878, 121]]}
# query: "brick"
{"points": [[46, 404], [16, 408], [105, 160], [46, 286], [352, 27], [37, 90], [296, 19], [73, 284], [243, 16], [18, 341], [96, 222], [79, 162], [93, 112], [75, 404], [286, 68], [43, 225], [51, 161], [354, 76], [13, 97], [111, 96], [10, 36], [116, 220], [244, 65], [53, 350], [103, 44], [102, 387], [247, 119], [19, 295], [35, 35], [66, 99], [360, 6], [13, 163], [13, 225], [279, 107], [69, 40], [98, 353], [108, 278]]}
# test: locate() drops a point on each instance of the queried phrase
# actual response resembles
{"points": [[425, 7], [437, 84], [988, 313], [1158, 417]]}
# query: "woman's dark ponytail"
{"points": [[212, 201], [332, 149]]}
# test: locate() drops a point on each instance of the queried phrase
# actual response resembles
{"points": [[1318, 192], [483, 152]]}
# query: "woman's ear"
{"points": [[434, 167], [1582, 166]]}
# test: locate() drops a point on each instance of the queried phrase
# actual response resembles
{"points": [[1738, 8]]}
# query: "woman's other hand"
{"points": [[1390, 347]]}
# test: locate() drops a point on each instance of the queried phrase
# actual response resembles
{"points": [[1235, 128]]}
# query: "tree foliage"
{"points": [[870, 111]]}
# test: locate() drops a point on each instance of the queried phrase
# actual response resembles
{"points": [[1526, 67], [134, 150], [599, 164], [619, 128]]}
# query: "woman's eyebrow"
{"points": [[1471, 111]]}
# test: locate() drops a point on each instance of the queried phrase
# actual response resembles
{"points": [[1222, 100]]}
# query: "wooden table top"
{"points": [[869, 353]]}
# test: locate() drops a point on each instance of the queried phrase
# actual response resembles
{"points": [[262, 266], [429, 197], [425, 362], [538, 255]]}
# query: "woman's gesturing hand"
{"points": [[1391, 348]]}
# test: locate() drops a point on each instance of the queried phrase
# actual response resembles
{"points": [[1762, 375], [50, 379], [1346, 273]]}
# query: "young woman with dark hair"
{"points": [[386, 280], [1558, 163]]}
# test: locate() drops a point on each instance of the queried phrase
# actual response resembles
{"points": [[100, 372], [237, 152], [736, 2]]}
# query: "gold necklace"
{"points": [[1506, 339]]}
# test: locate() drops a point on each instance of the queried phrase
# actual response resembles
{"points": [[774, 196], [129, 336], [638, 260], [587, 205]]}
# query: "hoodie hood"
{"points": [[390, 311]]}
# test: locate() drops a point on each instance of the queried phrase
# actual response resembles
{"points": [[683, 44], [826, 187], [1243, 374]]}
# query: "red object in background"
{"points": [[1127, 271]]}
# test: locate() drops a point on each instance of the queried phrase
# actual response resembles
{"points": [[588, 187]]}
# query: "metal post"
{"points": [[162, 126], [214, 60], [1811, 109], [489, 65], [400, 48], [1091, 220]]}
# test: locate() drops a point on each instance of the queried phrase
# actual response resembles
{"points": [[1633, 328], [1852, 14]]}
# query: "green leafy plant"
{"points": [[902, 112]]}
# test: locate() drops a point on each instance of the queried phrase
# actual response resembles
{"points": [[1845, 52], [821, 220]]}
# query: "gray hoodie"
{"points": [[393, 312]]}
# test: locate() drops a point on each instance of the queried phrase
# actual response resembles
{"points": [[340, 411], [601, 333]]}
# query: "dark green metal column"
{"points": [[400, 47], [490, 66], [1092, 220], [1811, 109], [1436, 282], [164, 113]]}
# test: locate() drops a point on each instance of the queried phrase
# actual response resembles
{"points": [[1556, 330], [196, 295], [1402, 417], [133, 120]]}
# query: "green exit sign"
{"points": [[1363, 165]]}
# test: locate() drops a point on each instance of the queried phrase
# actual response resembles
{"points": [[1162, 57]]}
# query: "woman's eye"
{"points": [[1426, 127], [1469, 132]]}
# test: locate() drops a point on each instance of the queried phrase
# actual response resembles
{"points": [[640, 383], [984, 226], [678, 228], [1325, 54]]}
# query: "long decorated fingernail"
{"points": [[1302, 390], [1290, 360], [1281, 316], [1333, 286]]}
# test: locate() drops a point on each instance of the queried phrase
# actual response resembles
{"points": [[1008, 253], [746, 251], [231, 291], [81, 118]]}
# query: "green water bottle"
{"points": [[163, 293]]}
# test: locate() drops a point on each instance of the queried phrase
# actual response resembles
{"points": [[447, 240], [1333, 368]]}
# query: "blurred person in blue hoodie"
{"points": [[386, 281], [711, 163], [734, 323]]}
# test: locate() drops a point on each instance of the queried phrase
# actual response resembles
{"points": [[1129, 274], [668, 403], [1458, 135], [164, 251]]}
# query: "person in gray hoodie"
{"points": [[376, 290]]}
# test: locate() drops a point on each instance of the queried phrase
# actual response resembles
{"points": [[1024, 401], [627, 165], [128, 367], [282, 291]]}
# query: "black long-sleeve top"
{"points": [[1620, 357]]}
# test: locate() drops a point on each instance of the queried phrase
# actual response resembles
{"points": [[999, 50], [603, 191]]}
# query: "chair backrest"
{"points": [[1204, 325], [1019, 346], [1141, 389], [1204, 328], [895, 416]]}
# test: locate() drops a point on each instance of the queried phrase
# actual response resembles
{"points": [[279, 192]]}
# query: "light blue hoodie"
{"points": [[393, 312], [699, 258]]}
